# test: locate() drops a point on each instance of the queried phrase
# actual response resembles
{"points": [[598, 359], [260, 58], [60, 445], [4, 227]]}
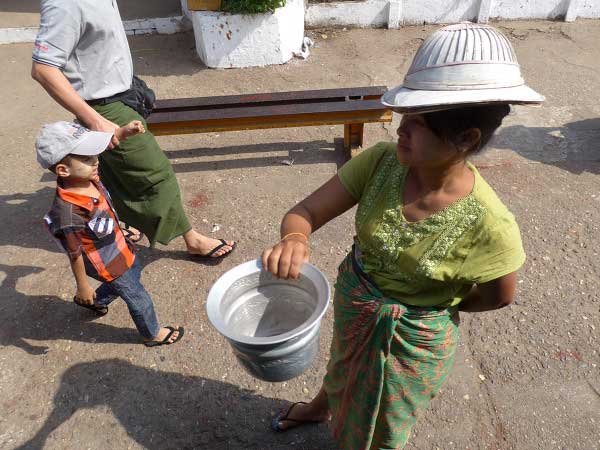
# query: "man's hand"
{"points": [[101, 124], [85, 295], [56, 84]]}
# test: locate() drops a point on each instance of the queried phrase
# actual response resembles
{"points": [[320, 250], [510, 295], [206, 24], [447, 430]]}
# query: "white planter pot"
{"points": [[226, 40]]}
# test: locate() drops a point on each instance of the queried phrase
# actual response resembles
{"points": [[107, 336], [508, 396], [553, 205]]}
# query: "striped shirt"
{"points": [[89, 227]]}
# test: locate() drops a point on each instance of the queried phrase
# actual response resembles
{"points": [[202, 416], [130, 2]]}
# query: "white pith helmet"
{"points": [[460, 65]]}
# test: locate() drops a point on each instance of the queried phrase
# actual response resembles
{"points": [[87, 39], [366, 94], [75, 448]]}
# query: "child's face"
{"points": [[80, 168]]}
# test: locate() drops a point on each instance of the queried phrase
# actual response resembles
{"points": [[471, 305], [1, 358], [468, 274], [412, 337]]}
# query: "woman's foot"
{"points": [[301, 413], [200, 245]]}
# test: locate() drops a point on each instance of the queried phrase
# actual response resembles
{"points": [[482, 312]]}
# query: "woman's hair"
{"points": [[450, 124]]}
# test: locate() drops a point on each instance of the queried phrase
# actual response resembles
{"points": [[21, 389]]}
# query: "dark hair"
{"points": [[450, 124]]}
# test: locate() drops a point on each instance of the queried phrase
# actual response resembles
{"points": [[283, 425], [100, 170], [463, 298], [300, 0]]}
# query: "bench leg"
{"points": [[353, 138]]}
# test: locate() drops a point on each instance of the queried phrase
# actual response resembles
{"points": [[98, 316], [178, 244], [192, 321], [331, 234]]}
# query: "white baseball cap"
{"points": [[462, 64], [59, 139]]}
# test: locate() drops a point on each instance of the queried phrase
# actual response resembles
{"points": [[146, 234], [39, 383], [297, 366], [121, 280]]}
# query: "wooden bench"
{"points": [[352, 107]]}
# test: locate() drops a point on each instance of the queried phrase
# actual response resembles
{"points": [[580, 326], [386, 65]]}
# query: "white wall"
{"points": [[372, 13], [439, 11], [589, 9], [395, 13], [379, 13], [530, 9]]}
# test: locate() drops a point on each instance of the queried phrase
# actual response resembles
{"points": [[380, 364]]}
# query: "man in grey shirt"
{"points": [[81, 55], [87, 42]]}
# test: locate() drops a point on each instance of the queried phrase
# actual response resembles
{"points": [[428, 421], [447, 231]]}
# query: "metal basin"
{"points": [[271, 324]]}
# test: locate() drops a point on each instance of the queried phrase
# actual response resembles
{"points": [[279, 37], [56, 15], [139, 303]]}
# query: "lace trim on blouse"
{"points": [[394, 235]]}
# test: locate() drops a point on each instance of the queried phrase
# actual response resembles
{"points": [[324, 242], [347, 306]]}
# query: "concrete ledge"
{"points": [[165, 25], [162, 25], [226, 40], [17, 35]]}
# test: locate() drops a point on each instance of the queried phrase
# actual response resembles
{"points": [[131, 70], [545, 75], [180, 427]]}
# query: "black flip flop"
{"points": [[165, 341], [98, 310], [209, 256], [284, 416]]}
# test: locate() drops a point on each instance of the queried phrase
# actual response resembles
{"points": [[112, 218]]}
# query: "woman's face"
{"points": [[418, 146]]}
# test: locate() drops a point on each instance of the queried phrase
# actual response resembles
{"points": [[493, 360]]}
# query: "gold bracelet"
{"points": [[295, 234]]}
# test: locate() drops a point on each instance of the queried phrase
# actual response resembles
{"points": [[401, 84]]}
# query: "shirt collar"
{"points": [[81, 200]]}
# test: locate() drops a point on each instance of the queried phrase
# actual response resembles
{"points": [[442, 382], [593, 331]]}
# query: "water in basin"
{"points": [[270, 310]]}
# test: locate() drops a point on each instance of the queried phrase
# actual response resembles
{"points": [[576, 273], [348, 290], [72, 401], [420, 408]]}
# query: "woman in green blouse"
{"points": [[432, 239]]}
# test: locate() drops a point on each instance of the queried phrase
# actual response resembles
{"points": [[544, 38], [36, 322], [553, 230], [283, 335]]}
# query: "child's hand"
{"points": [[135, 127], [85, 295], [131, 129]]}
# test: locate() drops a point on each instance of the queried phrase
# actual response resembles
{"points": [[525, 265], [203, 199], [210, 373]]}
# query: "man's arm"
{"points": [[58, 87]]}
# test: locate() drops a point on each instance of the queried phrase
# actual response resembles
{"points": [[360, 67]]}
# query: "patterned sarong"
{"points": [[388, 360]]}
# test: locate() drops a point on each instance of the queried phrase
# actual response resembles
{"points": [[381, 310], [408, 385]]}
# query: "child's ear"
{"points": [[62, 170]]}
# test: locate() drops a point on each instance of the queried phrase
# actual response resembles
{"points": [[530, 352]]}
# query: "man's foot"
{"points": [[165, 336], [199, 245], [299, 413]]}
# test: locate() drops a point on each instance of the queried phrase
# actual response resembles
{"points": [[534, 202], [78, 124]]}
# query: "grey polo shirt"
{"points": [[87, 41]]}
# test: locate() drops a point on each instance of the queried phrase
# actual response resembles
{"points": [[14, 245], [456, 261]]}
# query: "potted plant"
{"points": [[245, 33]]}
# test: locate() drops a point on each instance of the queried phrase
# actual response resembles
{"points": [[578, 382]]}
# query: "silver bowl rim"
{"points": [[228, 278]]}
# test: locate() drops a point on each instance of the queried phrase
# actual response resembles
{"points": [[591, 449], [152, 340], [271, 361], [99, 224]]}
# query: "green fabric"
{"points": [[141, 181], [434, 261], [388, 360]]}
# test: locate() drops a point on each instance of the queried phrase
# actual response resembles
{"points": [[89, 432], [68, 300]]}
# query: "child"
{"points": [[85, 224]]}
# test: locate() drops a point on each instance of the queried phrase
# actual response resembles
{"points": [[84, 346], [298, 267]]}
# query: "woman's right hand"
{"points": [[285, 258]]}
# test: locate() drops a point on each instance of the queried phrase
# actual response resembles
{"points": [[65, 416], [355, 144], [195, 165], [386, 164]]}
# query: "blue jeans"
{"points": [[130, 289]]}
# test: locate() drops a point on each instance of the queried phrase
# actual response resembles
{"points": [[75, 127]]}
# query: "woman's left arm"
{"points": [[492, 295]]}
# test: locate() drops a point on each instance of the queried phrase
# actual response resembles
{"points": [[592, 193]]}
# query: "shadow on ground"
{"points": [[22, 217], [298, 153], [574, 147], [49, 318], [155, 56], [167, 410], [20, 6]]}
